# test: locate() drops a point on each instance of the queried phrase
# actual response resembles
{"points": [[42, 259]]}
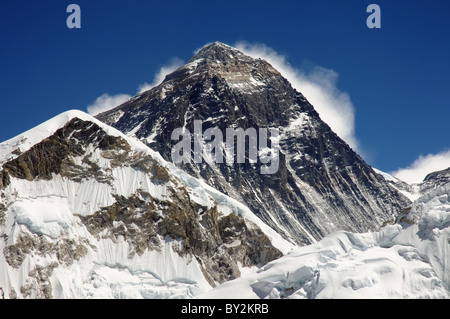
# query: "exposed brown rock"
{"points": [[38, 282], [217, 242], [4, 179], [66, 250]]}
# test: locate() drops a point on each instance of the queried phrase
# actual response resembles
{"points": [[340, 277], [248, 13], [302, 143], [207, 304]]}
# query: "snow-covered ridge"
{"points": [[26, 140], [47, 250]]}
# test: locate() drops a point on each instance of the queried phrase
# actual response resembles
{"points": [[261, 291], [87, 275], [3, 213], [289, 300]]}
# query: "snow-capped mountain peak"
{"points": [[82, 204]]}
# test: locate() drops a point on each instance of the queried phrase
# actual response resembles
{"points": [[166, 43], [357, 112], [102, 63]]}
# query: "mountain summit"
{"points": [[229, 63], [321, 184], [218, 52]]}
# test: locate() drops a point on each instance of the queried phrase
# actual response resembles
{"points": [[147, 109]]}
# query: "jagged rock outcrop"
{"points": [[321, 184]]}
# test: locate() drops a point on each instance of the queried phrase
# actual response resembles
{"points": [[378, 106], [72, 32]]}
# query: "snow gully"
{"points": [[214, 150]]}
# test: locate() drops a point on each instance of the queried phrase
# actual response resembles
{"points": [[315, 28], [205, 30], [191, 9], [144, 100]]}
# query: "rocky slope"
{"points": [[86, 211], [321, 185]]}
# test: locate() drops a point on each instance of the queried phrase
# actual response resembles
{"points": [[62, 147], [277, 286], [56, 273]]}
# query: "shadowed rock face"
{"points": [[218, 242], [321, 185]]}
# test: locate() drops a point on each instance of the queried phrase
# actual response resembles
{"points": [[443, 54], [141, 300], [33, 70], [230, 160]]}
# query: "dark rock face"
{"points": [[321, 185]]}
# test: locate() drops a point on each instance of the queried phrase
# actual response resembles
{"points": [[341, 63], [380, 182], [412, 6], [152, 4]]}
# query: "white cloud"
{"points": [[320, 88], [106, 102], [422, 166], [174, 64]]}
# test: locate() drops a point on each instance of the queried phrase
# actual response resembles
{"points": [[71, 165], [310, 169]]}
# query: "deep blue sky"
{"points": [[398, 77]]}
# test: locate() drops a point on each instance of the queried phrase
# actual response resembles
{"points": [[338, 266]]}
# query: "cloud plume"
{"points": [[174, 64], [319, 86], [106, 102], [422, 166]]}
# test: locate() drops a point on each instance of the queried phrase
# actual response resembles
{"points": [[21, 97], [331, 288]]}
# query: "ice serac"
{"points": [[321, 185], [87, 212], [407, 259]]}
